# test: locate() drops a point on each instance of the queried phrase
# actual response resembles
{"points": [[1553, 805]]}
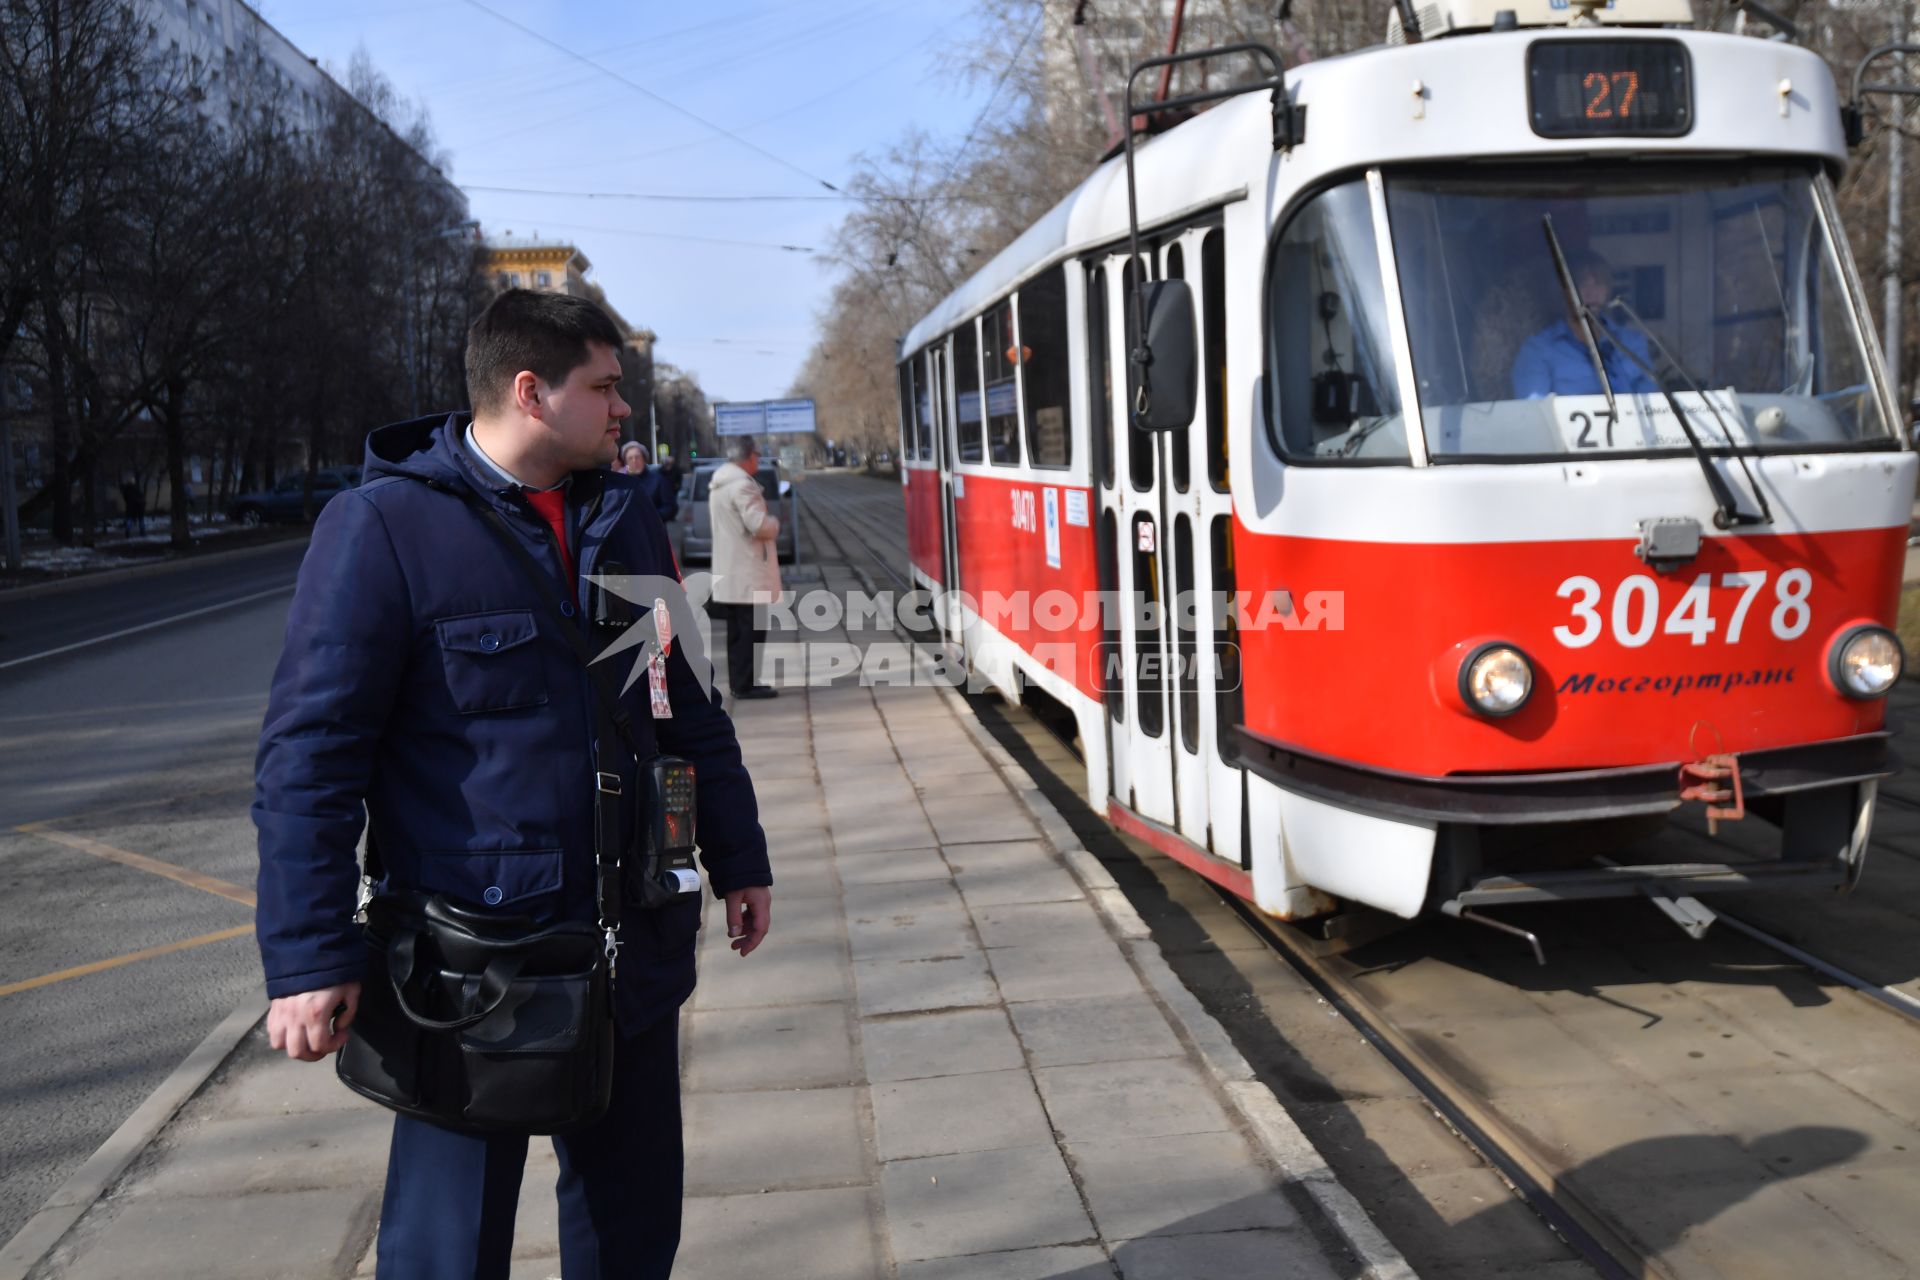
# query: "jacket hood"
{"points": [[423, 449]]}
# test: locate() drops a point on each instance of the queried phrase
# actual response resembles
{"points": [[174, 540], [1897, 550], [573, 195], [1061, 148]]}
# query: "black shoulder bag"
{"points": [[490, 1023]]}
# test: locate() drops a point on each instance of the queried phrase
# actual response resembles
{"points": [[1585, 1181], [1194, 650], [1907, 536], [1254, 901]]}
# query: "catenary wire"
{"points": [[831, 28], [880, 65], [674, 235], [641, 89]]}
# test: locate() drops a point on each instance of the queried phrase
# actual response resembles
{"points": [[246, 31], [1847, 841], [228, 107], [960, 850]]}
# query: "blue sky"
{"points": [[814, 84]]}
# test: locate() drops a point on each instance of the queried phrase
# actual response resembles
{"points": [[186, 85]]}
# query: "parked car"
{"points": [[696, 542], [286, 501]]}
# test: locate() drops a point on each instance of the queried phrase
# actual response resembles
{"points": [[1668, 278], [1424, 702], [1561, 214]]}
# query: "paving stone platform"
{"points": [[946, 1062]]}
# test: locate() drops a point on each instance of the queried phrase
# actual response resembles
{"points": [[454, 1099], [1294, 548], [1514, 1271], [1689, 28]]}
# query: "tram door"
{"points": [[947, 608], [1197, 513], [1133, 555]]}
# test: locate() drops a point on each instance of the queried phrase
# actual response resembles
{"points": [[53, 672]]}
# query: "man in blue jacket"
{"points": [[423, 686]]}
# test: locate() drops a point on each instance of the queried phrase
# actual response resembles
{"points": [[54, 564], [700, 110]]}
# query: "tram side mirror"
{"points": [[1164, 399]]}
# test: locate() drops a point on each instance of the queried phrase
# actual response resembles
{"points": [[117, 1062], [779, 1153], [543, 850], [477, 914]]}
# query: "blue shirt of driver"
{"points": [[1555, 362]]}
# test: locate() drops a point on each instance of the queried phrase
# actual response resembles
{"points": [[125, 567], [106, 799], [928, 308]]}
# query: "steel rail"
{"points": [[1892, 997], [825, 515], [1586, 1231]]}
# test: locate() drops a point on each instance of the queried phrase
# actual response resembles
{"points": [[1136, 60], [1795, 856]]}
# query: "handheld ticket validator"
{"points": [[608, 608], [670, 825]]}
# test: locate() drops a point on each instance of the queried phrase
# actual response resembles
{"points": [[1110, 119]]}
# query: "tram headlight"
{"points": [[1496, 680], [1866, 661]]}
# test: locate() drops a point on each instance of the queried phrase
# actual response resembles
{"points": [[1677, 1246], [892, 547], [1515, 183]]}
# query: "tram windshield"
{"points": [[1713, 290]]}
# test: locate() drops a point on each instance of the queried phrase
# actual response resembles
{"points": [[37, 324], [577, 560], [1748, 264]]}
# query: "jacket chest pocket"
{"points": [[491, 663]]}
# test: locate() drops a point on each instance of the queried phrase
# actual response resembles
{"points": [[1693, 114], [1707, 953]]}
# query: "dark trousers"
{"points": [[451, 1197], [743, 638]]}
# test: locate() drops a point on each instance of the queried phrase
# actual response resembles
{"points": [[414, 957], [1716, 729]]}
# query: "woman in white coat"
{"points": [[746, 563]]}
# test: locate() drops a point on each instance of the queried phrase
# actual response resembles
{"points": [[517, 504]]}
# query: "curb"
{"points": [[90, 1181], [1274, 1132], [159, 567]]}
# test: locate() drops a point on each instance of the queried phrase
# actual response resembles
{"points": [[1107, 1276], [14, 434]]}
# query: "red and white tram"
{"points": [[1535, 461]]}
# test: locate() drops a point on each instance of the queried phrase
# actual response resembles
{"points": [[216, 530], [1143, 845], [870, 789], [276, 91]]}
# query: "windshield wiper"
{"points": [[1728, 511], [1579, 312], [1731, 513]]}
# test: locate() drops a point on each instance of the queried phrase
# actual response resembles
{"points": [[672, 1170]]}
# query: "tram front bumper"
{"points": [[1517, 799]]}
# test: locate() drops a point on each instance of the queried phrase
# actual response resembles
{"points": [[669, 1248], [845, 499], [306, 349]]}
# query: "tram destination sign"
{"points": [[1609, 88]]}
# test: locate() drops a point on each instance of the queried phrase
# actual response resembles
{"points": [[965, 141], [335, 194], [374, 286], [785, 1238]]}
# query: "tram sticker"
{"points": [[1586, 425], [1143, 533], [959, 485], [1051, 503], [1077, 508]]}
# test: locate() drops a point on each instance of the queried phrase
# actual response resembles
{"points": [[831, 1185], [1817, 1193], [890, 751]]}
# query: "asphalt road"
{"points": [[129, 710]]}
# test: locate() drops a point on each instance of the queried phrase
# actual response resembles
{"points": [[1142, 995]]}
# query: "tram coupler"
{"points": [[1714, 780], [1692, 915]]}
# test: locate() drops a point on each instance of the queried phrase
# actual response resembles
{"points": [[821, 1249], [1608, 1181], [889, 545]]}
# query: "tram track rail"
{"points": [[822, 516], [1476, 1125], [1603, 1240]]}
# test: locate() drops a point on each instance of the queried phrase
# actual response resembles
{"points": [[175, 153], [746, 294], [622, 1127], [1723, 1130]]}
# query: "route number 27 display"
{"points": [[1635, 610]]}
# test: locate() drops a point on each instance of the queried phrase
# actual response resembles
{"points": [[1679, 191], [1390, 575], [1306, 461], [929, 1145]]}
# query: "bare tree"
{"points": [[76, 102]]}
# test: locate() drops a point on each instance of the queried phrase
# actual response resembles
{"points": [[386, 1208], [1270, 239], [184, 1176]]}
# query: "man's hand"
{"points": [[307, 1025], [748, 915]]}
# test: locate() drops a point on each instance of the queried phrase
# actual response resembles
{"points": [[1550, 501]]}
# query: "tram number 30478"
{"points": [[1634, 613]]}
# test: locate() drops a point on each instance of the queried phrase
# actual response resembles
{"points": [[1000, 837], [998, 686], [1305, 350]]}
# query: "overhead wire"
{"points": [[645, 92], [674, 235], [999, 83], [490, 78], [788, 41], [880, 66], [670, 196], [692, 197]]}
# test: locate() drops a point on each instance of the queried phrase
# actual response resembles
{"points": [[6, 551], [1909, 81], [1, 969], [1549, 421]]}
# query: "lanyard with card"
{"points": [[657, 663]]}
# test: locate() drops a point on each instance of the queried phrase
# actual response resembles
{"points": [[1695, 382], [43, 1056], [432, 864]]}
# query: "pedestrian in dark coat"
{"points": [[422, 685], [133, 505], [661, 486]]}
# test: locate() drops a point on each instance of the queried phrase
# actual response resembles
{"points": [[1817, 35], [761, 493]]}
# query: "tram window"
{"points": [[1099, 372], [920, 446], [1001, 357], [1228, 707], [1185, 655], [1330, 363], [1715, 282], [1109, 673], [1140, 444], [1179, 447], [907, 444], [966, 381], [1043, 368], [1149, 673], [937, 433], [1213, 312]]}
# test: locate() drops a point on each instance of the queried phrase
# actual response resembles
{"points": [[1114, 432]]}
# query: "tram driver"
{"points": [[1556, 360]]}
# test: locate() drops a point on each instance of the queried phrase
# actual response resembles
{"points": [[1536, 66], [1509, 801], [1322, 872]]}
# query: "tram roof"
{"points": [[1361, 114]]}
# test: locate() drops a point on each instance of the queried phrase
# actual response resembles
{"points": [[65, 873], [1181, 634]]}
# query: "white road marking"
{"points": [[145, 626]]}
